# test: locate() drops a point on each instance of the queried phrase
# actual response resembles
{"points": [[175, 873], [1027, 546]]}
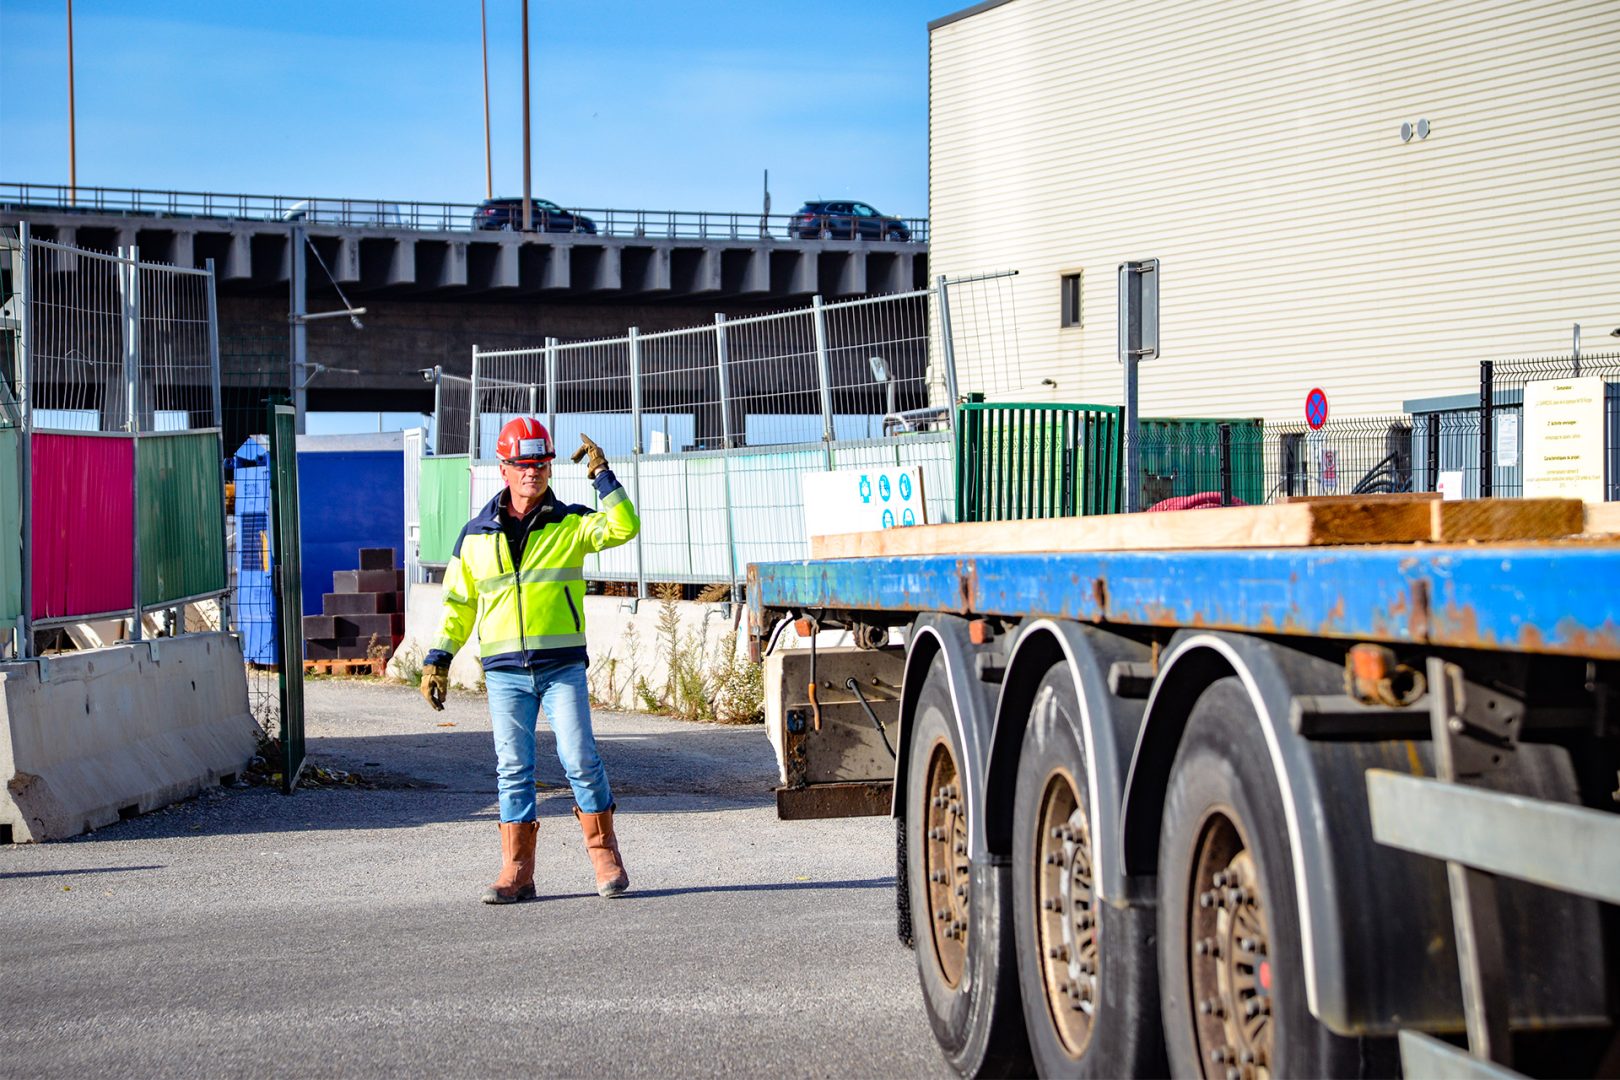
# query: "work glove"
{"points": [[436, 684], [596, 460]]}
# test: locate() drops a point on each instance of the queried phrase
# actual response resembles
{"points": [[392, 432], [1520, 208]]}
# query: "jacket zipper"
{"points": [[572, 610], [517, 592]]}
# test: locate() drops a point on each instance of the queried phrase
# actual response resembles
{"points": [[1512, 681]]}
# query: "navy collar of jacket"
{"points": [[488, 519]]}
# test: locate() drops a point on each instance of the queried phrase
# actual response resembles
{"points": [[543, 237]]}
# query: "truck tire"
{"points": [[965, 965], [1086, 970], [1231, 974], [902, 890]]}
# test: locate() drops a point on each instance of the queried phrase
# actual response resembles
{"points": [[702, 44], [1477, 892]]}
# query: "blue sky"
{"points": [[636, 105]]}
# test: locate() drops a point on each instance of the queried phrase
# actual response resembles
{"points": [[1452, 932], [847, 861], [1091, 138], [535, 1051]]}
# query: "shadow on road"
{"points": [[84, 870]]}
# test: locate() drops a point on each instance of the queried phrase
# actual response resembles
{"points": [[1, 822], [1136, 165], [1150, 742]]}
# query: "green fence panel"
{"points": [[180, 516], [441, 504], [1182, 456], [1018, 461], [10, 528]]}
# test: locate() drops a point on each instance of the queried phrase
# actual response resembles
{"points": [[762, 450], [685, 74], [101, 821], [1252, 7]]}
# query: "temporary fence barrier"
{"points": [[114, 400], [1501, 429]]}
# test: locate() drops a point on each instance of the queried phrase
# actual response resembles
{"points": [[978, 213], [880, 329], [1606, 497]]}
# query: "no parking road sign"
{"points": [[1316, 408]]}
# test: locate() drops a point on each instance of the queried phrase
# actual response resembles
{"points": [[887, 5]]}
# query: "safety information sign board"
{"points": [[862, 500]]}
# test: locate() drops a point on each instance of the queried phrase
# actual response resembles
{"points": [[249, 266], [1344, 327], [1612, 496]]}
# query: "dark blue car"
{"points": [[845, 221], [506, 214]]}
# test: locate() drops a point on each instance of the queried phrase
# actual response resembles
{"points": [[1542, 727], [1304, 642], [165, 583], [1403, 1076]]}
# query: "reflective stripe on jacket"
{"points": [[534, 611]]}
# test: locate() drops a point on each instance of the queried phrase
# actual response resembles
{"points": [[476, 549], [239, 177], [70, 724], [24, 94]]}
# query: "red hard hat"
{"points": [[524, 441]]}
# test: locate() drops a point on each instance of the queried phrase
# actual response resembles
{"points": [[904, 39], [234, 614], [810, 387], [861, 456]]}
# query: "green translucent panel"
{"points": [[441, 503], [181, 516], [10, 528]]}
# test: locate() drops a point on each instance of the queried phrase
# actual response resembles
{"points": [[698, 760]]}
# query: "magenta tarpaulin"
{"points": [[83, 524]]}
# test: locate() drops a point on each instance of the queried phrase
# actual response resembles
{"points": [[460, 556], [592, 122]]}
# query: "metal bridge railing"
{"points": [[402, 214]]}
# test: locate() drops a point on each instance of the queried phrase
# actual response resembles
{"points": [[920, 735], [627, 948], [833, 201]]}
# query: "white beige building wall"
{"points": [[1254, 147]]}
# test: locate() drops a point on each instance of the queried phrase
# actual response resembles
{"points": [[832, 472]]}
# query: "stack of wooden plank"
{"points": [[1313, 522], [362, 619]]}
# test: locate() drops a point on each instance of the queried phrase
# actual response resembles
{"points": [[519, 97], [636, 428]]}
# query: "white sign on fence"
{"points": [[862, 500], [1563, 439]]}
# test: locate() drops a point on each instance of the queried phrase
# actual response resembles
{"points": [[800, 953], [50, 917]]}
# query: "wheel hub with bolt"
{"points": [[1067, 920], [945, 862], [1229, 942]]}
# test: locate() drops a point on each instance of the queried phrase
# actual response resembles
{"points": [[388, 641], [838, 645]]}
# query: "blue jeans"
{"points": [[514, 699]]}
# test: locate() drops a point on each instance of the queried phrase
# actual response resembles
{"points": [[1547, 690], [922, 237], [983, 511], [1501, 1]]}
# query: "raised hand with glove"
{"points": [[595, 460]]}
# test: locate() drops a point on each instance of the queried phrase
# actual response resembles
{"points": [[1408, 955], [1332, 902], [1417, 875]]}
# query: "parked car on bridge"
{"points": [[845, 221], [544, 216]]}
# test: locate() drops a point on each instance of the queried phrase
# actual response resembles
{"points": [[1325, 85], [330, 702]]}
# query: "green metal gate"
{"points": [[1018, 461], [289, 588]]}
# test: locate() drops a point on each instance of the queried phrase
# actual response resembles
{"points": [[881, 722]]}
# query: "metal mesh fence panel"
{"points": [[1508, 381], [79, 346], [452, 413], [877, 360], [975, 327]]}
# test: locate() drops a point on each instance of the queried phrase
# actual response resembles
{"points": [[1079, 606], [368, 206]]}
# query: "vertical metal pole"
{"points": [[1133, 468], [1433, 438], [947, 345], [25, 287], [635, 451], [298, 361], [489, 170], [1487, 423], [528, 205], [130, 278], [824, 368], [1226, 464], [472, 440], [1577, 365], [551, 387], [534, 403], [720, 359], [73, 139]]}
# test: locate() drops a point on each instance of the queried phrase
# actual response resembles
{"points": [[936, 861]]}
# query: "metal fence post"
{"points": [[551, 387], [1226, 464], [947, 345], [725, 444], [472, 440], [24, 278], [1486, 427], [818, 316], [635, 451], [130, 280], [1432, 436], [438, 415], [219, 422]]}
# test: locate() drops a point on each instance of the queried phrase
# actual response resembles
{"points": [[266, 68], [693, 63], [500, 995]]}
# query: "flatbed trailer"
{"points": [[1234, 813]]}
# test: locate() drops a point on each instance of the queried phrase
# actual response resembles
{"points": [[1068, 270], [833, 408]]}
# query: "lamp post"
{"points": [[527, 202], [73, 143], [489, 170]]}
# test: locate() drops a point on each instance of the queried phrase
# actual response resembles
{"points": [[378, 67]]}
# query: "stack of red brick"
{"points": [[366, 611]]}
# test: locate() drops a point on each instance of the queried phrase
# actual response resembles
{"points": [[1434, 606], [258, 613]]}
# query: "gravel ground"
{"points": [[338, 932]]}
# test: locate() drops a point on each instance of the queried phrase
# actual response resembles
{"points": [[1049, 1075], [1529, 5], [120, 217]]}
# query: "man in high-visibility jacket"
{"points": [[517, 575]]}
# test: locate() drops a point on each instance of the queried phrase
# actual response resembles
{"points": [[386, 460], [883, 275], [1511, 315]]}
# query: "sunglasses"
{"points": [[521, 465]]}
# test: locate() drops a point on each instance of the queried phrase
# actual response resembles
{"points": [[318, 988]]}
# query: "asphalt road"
{"points": [[338, 932]]}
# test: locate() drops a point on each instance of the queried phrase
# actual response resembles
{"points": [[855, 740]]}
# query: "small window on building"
{"points": [[1069, 290]]}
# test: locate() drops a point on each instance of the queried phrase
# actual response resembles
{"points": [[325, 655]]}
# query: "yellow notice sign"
{"points": [[1563, 439]]}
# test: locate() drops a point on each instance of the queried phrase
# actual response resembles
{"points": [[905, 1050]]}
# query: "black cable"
{"points": [[851, 684]]}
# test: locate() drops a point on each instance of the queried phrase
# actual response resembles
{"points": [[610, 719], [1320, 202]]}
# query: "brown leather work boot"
{"points": [[603, 848], [517, 864]]}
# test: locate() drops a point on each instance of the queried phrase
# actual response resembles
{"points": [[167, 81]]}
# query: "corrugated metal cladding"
{"points": [[83, 524], [1254, 147], [10, 528], [181, 516]]}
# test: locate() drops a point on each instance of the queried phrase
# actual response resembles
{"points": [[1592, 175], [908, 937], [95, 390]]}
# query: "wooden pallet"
{"points": [[377, 667]]}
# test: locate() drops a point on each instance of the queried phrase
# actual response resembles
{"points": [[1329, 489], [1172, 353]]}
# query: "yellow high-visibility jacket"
{"points": [[533, 611]]}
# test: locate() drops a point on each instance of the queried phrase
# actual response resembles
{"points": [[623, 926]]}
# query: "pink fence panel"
{"points": [[83, 525]]}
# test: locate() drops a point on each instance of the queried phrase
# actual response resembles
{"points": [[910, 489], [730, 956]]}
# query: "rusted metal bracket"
{"points": [[833, 800], [1473, 729]]}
